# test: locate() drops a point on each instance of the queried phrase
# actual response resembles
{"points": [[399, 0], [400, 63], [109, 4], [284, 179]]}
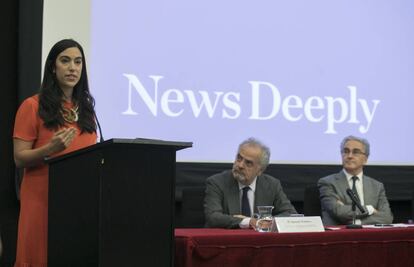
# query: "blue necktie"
{"points": [[245, 207]]}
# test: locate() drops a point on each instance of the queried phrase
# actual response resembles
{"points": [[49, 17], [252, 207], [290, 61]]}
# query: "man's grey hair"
{"points": [[265, 157], [359, 139]]}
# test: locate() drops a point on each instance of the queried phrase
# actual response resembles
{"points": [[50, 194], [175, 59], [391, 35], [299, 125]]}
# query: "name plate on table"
{"points": [[299, 224]]}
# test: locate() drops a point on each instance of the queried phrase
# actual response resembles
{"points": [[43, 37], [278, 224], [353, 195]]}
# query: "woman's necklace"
{"points": [[70, 115]]}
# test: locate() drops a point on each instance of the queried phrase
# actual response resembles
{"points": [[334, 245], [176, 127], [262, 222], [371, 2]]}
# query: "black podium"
{"points": [[112, 204]]}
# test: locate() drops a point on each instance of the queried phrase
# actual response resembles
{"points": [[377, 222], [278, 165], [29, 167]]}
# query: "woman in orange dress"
{"points": [[58, 120]]}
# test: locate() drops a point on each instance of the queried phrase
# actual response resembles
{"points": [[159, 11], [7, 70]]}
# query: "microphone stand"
{"points": [[355, 202], [353, 225]]}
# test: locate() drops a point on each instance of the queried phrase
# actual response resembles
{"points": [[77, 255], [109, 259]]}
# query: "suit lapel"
{"points": [[343, 184], [367, 188], [342, 180], [259, 194], [234, 197]]}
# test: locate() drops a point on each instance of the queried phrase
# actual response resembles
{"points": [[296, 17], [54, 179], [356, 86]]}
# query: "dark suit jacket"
{"points": [[333, 188], [222, 199]]}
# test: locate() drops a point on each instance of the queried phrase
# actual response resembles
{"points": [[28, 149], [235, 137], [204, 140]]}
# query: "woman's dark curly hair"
{"points": [[51, 95]]}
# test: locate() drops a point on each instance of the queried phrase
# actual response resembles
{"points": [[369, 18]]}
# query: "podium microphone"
{"points": [[355, 200], [101, 139]]}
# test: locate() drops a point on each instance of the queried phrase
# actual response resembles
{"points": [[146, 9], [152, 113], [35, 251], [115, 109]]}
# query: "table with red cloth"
{"points": [[344, 247]]}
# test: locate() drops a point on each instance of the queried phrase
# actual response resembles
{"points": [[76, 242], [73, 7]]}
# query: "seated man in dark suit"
{"points": [[232, 196], [336, 203]]}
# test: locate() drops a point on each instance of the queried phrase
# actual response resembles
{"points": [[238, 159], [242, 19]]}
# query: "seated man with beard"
{"points": [[233, 196]]}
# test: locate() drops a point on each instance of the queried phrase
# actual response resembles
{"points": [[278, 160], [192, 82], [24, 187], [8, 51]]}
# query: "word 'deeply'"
{"points": [[260, 94]]}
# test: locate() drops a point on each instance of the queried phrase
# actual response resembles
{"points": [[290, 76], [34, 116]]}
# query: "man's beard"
{"points": [[239, 176]]}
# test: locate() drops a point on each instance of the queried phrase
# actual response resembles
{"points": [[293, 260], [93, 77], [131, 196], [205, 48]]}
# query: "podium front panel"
{"points": [[113, 206], [74, 211]]}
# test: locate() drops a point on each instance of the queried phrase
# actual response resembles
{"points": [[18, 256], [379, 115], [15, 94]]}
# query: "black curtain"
{"points": [[29, 47], [9, 207], [21, 27]]}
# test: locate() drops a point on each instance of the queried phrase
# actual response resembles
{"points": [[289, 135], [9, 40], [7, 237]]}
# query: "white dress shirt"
{"points": [[359, 185]]}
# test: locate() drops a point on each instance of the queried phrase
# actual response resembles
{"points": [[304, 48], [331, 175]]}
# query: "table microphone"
{"points": [[355, 200]]}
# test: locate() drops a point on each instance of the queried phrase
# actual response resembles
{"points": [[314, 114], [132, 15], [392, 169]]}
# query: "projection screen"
{"points": [[298, 75]]}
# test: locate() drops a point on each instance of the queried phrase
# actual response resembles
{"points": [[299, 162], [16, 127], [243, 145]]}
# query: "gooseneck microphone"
{"points": [[101, 139], [355, 200]]}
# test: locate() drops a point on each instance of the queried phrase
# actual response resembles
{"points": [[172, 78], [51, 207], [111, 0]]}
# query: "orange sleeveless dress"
{"points": [[32, 231]]}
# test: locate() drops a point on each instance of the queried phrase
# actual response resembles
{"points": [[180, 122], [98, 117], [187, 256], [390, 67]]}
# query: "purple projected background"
{"points": [[298, 75]]}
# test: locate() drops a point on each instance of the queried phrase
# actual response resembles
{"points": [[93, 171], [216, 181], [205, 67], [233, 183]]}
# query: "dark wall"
{"points": [[398, 182]]}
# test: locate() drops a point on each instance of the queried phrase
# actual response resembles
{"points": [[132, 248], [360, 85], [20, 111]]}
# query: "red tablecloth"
{"points": [[358, 247]]}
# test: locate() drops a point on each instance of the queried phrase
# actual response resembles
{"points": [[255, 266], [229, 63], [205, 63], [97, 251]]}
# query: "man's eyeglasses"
{"points": [[355, 152]]}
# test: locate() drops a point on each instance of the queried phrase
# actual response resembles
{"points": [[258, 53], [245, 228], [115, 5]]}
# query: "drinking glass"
{"points": [[264, 221]]}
